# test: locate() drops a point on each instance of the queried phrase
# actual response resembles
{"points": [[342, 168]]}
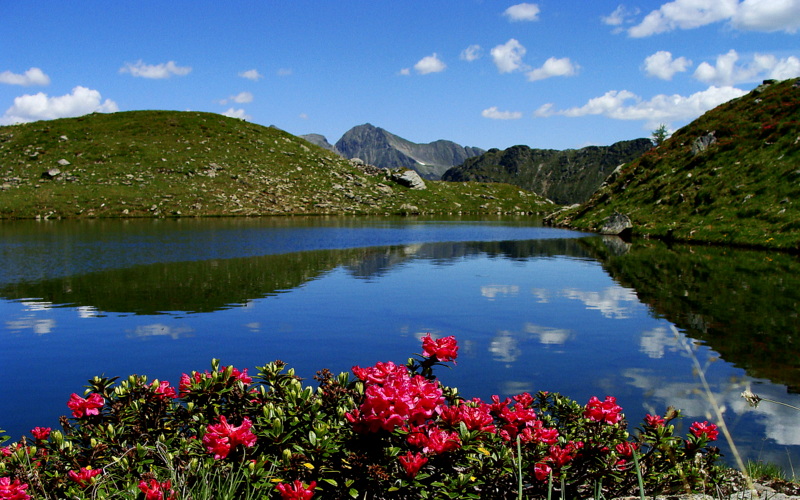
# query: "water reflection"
{"points": [[536, 311]]}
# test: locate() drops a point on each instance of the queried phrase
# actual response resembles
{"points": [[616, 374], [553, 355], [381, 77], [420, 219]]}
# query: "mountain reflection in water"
{"points": [[533, 309]]}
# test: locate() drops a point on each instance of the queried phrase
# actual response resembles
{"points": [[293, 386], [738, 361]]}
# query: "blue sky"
{"points": [[548, 74]]}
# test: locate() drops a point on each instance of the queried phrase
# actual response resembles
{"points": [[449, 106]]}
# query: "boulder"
{"points": [[617, 224], [703, 142], [51, 174], [409, 178]]}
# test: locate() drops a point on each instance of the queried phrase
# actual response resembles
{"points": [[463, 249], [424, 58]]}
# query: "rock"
{"points": [[618, 224], [407, 209], [703, 142], [51, 174], [409, 178], [63, 138], [63, 162]]}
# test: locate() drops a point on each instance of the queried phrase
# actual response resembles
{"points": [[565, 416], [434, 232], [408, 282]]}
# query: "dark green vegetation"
{"points": [[566, 177], [167, 163], [732, 176], [710, 292]]}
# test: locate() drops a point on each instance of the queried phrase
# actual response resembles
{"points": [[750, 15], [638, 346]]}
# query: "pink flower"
{"points": [[221, 438], [82, 407], [412, 463], [444, 349], [84, 476], [560, 457], [41, 433], [704, 429], [13, 490], [164, 390], [153, 490], [654, 420], [238, 375], [542, 471], [379, 373], [603, 411], [626, 448], [296, 490]]}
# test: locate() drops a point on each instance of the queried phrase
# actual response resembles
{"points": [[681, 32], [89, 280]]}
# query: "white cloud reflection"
{"points": [[548, 335], [159, 330], [657, 341], [613, 302], [492, 291], [38, 326]]}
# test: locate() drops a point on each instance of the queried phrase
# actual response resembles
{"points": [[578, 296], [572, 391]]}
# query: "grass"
{"points": [[169, 164], [741, 190]]}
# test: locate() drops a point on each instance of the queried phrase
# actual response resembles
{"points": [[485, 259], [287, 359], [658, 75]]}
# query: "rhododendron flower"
{"points": [[654, 420], [626, 448], [84, 476], [476, 416], [296, 490], [542, 471], [81, 407], [13, 490], [380, 372], [444, 349], [704, 429], [239, 375], [164, 390], [153, 490], [412, 463], [221, 438], [560, 457], [603, 411], [41, 433]]}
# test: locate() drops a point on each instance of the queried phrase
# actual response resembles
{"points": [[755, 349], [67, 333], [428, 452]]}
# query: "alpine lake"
{"points": [[533, 308]]}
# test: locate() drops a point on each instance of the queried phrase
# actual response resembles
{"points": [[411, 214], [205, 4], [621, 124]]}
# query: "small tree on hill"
{"points": [[660, 135]]}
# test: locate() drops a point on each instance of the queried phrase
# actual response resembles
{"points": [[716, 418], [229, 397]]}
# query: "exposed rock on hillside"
{"points": [[378, 147], [566, 177]]}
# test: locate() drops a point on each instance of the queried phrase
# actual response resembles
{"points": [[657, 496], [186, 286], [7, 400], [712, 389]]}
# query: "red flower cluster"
{"points": [[84, 476], [296, 490], [164, 390], [607, 411], [185, 384], [654, 420], [433, 440], [412, 463], [153, 490], [81, 407], [393, 398], [444, 349], [13, 490], [704, 429], [41, 433], [221, 438]]}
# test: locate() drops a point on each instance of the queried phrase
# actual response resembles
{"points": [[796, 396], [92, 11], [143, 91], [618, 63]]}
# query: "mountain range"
{"points": [[378, 147], [566, 177]]}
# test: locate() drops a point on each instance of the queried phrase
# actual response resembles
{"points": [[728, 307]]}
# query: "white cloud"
{"points": [[768, 15], [755, 15], [495, 114], [251, 74], [430, 64], [508, 57], [726, 71], [662, 65], [405, 71], [242, 97], [554, 67], [237, 113], [33, 107], [625, 105], [155, 71], [471, 53], [285, 72], [523, 12], [33, 76], [620, 16]]}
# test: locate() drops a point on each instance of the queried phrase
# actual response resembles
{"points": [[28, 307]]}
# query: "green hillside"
{"points": [[168, 163], [732, 176]]}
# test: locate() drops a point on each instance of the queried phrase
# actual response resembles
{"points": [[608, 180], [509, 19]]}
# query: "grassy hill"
{"points": [[732, 176], [168, 163]]}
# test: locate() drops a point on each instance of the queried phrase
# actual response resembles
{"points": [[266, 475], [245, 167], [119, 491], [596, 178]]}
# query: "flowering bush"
{"points": [[391, 431]]}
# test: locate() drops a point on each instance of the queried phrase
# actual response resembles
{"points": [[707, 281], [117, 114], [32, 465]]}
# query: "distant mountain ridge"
{"points": [[566, 177], [381, 148]]}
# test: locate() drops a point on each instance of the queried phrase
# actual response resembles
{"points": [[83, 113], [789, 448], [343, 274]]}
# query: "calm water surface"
{"points": [[533, 309]]}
